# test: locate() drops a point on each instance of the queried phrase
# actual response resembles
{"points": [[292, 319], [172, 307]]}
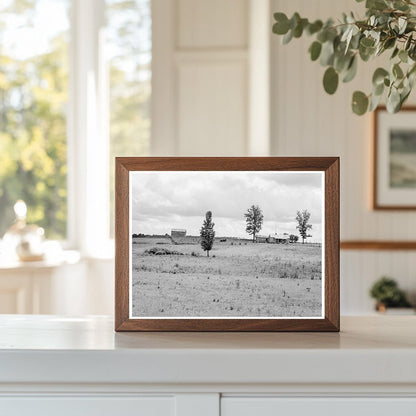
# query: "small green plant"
{"points": [[389, 27], [388, 294]]}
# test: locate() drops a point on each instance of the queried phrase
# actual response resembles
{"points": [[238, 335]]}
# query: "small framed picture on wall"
{"points": [[227, 244], [394, 159]]}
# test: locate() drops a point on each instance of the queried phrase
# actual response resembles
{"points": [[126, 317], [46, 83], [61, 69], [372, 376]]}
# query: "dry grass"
{"points": [[238, 279]]}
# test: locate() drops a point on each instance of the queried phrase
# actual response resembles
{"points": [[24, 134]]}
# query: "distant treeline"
{"points": [[141, 235]]}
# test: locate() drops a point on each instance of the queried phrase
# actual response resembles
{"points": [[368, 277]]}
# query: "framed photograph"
{"points": [[394, 159], [227, 244]]}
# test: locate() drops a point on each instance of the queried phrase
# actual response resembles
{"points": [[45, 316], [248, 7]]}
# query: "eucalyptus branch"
{"points": [[388, 25]]}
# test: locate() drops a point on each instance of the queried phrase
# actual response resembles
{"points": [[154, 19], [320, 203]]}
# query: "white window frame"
{"points": [[88, 138]]}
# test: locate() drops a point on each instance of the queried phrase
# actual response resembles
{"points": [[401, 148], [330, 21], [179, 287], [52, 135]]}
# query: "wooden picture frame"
{"points": [[131, 170], [394, 184]]}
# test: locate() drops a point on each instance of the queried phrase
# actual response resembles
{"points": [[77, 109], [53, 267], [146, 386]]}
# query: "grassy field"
{"points": [[239, 278]]}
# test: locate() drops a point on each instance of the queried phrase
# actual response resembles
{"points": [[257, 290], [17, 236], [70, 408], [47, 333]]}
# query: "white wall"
{"points": [[200, 77], [211, 70], [308, 122]]}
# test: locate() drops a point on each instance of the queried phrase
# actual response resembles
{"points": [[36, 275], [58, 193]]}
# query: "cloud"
{"points": [[165, 200]]}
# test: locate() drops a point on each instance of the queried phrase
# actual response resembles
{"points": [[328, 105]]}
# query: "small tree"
{"points": [[254, 220], [207, 233], [293, 238], [302, 218]]}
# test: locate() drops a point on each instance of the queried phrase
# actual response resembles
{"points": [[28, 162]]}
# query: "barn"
{"points": [[177, 233], [271, 239], [261, 238], [282, 238]]}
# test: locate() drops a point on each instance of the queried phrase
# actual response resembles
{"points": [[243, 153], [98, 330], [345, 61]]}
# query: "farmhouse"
{"points": [[273, 239], [281, 238], [177, 233]]}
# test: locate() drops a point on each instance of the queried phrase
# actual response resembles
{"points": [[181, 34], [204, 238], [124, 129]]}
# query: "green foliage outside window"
{"points": [[34, 84], [33, 99]]}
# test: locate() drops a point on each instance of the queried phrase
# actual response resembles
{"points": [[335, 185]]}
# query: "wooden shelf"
{"points": [[378, 245]]}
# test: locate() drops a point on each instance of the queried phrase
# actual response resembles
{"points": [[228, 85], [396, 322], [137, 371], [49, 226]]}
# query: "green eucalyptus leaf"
{"points": [[355, 41], [294, 20], [327, 54], [389, 43], [337, 43], [404, 96], [378, 89], [408, 42], [367, 42], [399, 85], [374, 102], [412, 70], [397, 71], [288, 37], [346, 34], [351, 70], [379, 75], [366, 53], [376, 4], [330, 80], [402, 22], [393, 101], [314, 27], [395, 52], [411, 78], [315, 50], [322, 35], [359, 103], [281, 27], [298, 30], [403, 56], [412, 52], [400, 5], [341, 62]]}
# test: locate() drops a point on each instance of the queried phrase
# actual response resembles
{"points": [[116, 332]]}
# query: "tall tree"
{"points": [[207, 233], [254, 220], [302, 218]]}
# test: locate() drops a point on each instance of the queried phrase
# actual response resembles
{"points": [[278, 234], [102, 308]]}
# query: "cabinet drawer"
{"points": [[87, 406], [272, 406]]}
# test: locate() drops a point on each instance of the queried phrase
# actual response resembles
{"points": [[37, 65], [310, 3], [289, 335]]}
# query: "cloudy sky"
{"points": [[161, 201]]}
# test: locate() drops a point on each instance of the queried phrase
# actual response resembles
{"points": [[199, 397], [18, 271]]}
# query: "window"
{"points": [[129, 43], [33, 99], [75, 87]]}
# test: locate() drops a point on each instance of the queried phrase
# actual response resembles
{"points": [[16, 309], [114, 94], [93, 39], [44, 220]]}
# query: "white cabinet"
{"points": [[269, 406], [80, 366], [88, 406]]}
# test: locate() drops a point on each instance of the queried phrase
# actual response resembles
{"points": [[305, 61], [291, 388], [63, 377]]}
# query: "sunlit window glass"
{"points": [[129, 46], [33, 105]]}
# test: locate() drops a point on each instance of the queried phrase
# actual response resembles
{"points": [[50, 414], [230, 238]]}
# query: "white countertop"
{"points": [[53, 349]]}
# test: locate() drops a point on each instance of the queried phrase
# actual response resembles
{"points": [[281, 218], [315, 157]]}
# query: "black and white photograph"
{"points": [[223, 244]]}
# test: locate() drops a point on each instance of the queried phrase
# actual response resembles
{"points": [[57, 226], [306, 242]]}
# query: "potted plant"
{"points": [[387, 294], [389, 27]]}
